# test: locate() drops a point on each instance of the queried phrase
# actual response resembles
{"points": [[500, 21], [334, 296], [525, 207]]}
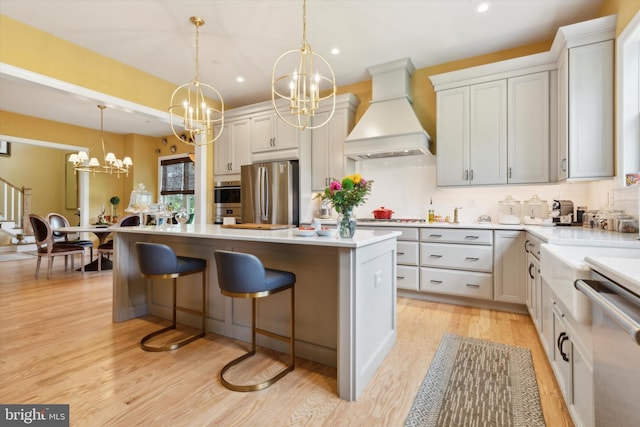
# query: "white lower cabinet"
{"points": [[407, 257], [452, 282], [569, 359], [457, 262], [509, 260], [534, 280]]}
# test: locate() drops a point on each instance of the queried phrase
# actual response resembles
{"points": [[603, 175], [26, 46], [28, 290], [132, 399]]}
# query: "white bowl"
{"points": [[306, 233], [328, 232]]}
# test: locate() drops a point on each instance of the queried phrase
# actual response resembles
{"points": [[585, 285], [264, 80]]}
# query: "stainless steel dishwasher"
{"points": [[616, 351]]}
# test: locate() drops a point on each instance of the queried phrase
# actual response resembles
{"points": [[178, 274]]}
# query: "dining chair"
{"points": [[49, 248], [106, 248], [57, 220]]}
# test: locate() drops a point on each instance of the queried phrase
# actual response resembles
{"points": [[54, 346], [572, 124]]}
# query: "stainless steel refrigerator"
{"points": [[270, 193]]}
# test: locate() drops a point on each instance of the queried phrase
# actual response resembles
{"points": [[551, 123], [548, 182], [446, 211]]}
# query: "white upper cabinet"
{"points": [[452, 122], [270, 133], [327, 142], [528, 124], [495, 132], [488, 133], [558, 118], [585, 108], [232, 148]]}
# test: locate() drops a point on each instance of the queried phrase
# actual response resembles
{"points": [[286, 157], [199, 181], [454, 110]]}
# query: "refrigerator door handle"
{"points": [[266, 195]]}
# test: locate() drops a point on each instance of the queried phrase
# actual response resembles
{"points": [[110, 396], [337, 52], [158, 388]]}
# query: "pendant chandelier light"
{"points": [[306, 80], [112, 165], [194, 106]]}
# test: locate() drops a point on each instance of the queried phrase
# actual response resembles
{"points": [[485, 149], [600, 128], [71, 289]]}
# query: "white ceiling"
{"points": [[245, 37]]}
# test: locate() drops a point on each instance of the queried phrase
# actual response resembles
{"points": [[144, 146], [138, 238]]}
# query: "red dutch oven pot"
{"points": [[382, 213]]}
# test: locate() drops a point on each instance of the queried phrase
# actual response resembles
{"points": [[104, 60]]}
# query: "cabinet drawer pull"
{"points": [[435, 282], [509, 172], [471, 177], [466, 175], [473, 285], [435, 236], [472, 259], [399, 277], [526, 246], [471, 237], [435, 256], [563, 166], [400, 253]]}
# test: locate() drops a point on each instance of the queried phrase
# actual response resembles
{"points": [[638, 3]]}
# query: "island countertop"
{"points": [[289, 235]]}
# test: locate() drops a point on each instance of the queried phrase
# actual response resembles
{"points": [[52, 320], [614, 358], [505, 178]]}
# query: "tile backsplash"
{"points": [[407, 185]]}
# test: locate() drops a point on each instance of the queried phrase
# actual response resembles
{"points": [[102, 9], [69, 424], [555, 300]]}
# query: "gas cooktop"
{"points": [[392, 220]]}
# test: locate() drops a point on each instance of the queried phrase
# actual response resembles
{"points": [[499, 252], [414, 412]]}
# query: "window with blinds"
{"points": [[178, 176]]}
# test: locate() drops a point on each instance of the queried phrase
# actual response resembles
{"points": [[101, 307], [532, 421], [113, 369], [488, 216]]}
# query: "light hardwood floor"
{"points": [[59, 345]]}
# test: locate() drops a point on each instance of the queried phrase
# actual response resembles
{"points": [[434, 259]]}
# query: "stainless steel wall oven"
{"points": [[227, 201]]}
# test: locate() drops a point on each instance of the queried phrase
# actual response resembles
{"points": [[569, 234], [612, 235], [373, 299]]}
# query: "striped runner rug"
{"points": [[473, 382]]}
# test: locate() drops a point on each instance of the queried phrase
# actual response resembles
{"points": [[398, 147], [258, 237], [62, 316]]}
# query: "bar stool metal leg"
{"points": [[255, 330], [175, 308]]}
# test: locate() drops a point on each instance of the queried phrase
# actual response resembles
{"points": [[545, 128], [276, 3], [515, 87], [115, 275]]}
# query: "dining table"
{"points": [[101, 231]]}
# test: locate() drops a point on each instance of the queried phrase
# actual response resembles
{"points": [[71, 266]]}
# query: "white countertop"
{"points": [[289, 235], [623, 271], [556, 235]]}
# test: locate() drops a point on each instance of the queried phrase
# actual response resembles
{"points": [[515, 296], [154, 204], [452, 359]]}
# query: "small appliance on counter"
{"points": [[535, 211], [509, 211], [560, 211]]}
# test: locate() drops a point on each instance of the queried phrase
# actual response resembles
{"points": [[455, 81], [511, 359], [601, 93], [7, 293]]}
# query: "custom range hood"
{"points": [[389, 127]]}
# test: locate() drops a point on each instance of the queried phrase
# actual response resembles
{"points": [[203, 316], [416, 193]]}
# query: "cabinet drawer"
{"points": [[462, 257], [408, 233], [466, 236], [407, 253], [465, 283], [408, 278]]}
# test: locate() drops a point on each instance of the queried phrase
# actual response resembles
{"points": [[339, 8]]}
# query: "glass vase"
{"points": [[346, 224]]}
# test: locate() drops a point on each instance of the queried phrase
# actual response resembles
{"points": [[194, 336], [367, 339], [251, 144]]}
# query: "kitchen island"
{"points": [[345, 291]]}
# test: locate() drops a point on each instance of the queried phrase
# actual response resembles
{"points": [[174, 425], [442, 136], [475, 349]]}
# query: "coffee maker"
{"points": [[561, 208]]}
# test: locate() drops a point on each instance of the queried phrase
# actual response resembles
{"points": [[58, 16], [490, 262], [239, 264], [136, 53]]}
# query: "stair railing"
{"points": [[16, 204]]}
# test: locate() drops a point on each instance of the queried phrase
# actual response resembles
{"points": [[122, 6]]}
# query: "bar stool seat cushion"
{"points": [[277, 278], [187, 264], [244, 273]]}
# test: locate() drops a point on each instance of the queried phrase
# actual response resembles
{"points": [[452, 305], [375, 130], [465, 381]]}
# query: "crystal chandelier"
{"points": [[112, 165], [306, 84], [194, 106]]}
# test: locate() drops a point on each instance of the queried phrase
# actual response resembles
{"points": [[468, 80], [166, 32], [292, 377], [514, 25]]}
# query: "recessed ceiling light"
{"points": [[483, 7], [335, 51], [240, 79]]}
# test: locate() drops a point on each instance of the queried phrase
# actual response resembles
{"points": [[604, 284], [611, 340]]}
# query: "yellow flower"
{"points": [[356, 178]]}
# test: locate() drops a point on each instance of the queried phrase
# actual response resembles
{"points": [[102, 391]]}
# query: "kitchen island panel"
{"points": [[345, 293]]}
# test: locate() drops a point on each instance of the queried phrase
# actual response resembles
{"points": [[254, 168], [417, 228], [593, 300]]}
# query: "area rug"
{"points": [[473, 382]]}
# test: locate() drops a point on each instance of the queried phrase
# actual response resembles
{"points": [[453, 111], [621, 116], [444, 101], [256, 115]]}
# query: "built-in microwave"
{"points": [[227, 201]]}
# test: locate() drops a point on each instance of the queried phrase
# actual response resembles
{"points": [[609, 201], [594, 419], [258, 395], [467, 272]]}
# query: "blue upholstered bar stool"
{"points": [[159, 261], [243, 276]]}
